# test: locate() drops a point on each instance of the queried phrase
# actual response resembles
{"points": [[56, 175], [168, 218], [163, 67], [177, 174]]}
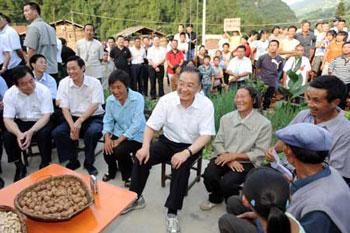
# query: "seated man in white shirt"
{"points": [[187, 120], [27, 110], [239, 68], [81, 98]]}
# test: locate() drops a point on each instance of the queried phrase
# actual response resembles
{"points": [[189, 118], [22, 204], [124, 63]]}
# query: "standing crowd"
{"points": [[53, 96]]}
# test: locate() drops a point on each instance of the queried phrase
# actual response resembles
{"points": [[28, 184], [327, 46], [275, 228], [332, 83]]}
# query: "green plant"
{"points": [[257, 84]]}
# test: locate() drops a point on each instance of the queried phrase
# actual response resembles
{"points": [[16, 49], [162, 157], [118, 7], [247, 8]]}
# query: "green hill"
{"points": [[161, 14]]}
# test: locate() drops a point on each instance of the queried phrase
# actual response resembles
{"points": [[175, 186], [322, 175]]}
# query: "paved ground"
{"points": [[152, 218]]}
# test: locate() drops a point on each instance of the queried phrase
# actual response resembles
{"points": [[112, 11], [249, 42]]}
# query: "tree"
{"points": [[340, 9]]}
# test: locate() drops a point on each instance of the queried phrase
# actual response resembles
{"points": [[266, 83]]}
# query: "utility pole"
{"points": [[204, 20]]}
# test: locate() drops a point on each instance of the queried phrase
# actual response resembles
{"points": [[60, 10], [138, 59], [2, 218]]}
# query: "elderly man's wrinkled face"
{"points": [[243, 101], [188, 85], [318, 104]]}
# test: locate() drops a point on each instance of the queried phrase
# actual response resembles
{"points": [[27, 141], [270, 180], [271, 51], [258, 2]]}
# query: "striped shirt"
{"points": [[340, 67]]}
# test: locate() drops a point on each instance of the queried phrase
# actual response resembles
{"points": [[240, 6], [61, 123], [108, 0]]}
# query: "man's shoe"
{"points": [[21, 172], [138, 204], [73, 165], [107, 177], [207, 205], [2, 183], [173, 225], [127, 183], [91, 169]]}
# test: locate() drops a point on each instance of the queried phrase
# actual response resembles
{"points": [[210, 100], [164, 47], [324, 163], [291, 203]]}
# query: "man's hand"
{"points": [[269, 155], [20, 140], [248, 215], [143, 155], [27, 139], [75, 130], [179, 158], [224, 158], [235, 166], [107, 146]]}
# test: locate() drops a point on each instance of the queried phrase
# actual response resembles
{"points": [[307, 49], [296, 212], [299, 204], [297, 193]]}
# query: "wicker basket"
{"points": [[4, 208], [47, 217]]}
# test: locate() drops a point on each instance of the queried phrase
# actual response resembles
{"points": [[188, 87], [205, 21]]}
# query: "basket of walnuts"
{"points": [[11, 221], [54, 199]]}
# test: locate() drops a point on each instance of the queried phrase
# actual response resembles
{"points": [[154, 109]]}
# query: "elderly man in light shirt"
{"points": [[27, 110], [80, 97], [187, 120], [91, 51]]}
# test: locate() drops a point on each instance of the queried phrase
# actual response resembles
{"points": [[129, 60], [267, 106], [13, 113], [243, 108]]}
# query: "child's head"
{"points": [[206, 60], [216, 61], [266, 191], [341, 36], [330, 35], [105, 56]]}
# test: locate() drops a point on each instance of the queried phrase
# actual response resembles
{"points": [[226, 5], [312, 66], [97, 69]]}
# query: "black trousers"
{"points": [[91, 131], [145, 78], [137, 83], [123, 153], [162, 151], [222, 182], [268, 97], [154, 76], [42, 137], [229, 223]]}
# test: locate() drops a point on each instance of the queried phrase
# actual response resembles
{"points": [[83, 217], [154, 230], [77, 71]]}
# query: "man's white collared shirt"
{"points": [[79, 99], [183, 125]]}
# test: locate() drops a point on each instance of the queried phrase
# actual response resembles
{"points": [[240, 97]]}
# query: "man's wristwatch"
{"points": [[190, 151]]}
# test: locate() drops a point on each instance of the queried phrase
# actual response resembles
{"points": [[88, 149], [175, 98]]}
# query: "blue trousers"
{"points": [[91, 132]]}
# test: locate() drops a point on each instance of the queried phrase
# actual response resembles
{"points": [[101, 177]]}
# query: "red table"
{"points": [[109, 203]]}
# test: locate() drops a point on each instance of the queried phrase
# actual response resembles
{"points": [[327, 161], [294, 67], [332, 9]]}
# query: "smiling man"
{"points": [[323, 97], [80, 97], [27, 110], [187, 120]]}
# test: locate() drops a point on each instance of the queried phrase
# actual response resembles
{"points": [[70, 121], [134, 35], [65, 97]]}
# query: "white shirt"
{"points": [[27, 107], [91, 51], [183, 125], [305, 68], [183, 47], [78, 99], [156, 55], [137, 55], [288, 45], [4, 47], [59, 50], [177, 37], [239, 66], [48, 81], [261, 48], [11, 39], [321, 36]]}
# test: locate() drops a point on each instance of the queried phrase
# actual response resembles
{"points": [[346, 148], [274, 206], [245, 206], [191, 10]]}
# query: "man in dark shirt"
{"points": [[307, 39], [268, 67], [121, 55], [65, 54], [192, 36]]}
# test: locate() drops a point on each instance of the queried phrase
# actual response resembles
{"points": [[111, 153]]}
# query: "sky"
{"points": [[289, 2]]}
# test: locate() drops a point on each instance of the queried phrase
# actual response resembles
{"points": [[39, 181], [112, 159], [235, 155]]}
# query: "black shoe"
{"points": [[107, 177], [21, 172], [127, 183], [73, 164], [91, 169], [2, 183]]}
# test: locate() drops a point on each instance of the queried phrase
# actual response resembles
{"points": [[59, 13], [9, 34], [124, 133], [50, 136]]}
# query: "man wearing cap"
{"points": [[320, 199], [323, 97], [314, 204]]}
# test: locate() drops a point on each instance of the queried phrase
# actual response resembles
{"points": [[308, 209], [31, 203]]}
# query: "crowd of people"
{"points": [[54, 96]]}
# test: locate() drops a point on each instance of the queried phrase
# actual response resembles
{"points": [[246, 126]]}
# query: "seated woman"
{"points": [[123, 126], [239, 146], [266, 198]]}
